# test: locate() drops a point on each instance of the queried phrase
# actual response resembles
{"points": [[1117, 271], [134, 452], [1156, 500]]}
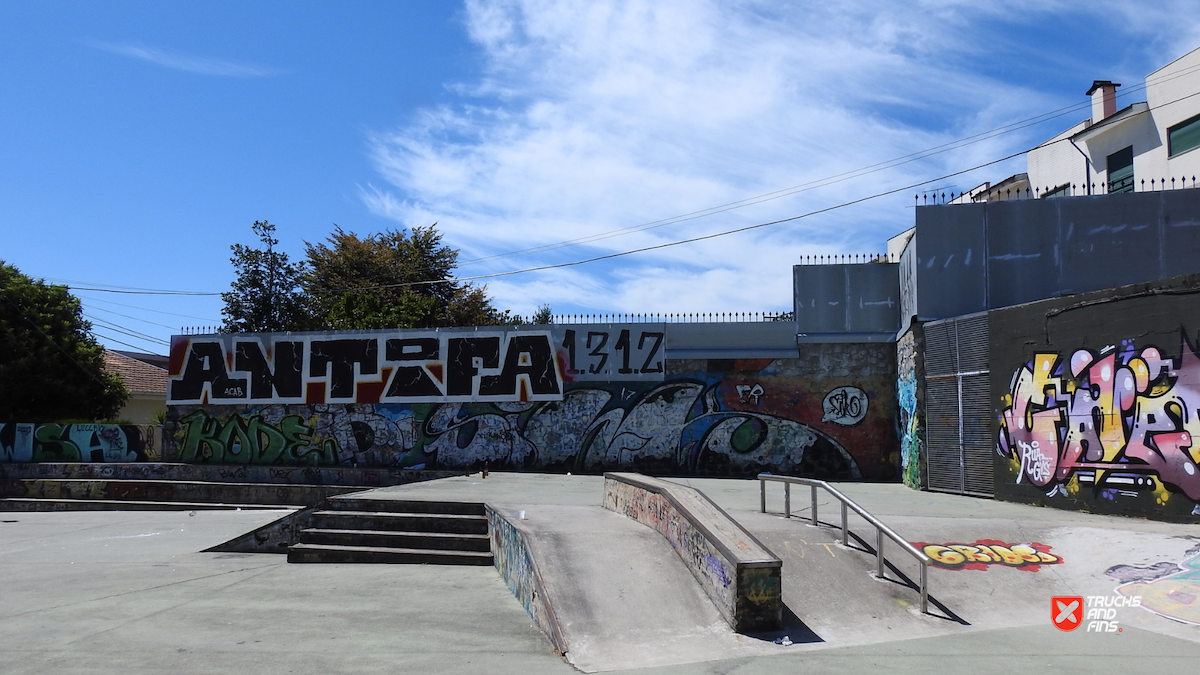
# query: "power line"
{"points": [[147, 309], [53, 341], [126, 344], [831, 180], [129, 316], [712, 211], [108, 325]]}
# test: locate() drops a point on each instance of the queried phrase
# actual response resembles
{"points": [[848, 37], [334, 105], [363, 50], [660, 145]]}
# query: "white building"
{"points": [[1148, 145]]}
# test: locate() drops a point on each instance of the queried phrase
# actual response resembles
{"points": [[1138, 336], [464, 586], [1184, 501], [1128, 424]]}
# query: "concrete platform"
{"points": [[126, 592]]}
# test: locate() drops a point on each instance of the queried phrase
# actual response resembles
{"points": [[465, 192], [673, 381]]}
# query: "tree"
{"points": [[543, 317], [265, 296], [51, 367], [392, 279]]}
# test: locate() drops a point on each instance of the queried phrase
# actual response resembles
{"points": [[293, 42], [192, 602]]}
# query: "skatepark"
{"points": [[133, 591]]}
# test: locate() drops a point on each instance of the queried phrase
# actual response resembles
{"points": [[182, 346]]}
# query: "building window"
{"points": [[1183, 136], [1120, 171]]}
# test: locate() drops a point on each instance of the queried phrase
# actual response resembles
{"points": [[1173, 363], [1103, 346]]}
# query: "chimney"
{"points": [[1104, 99]]}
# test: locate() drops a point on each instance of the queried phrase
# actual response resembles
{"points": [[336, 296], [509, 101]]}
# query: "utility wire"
{"points": [[108, 325], [147, 309], [135, 318], [831, 180], [113, 339], [823, 182], [53, 341]]}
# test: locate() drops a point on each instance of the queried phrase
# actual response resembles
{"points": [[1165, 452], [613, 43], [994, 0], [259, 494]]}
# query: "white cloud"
{"points": [[596, 116], [192, 64]]}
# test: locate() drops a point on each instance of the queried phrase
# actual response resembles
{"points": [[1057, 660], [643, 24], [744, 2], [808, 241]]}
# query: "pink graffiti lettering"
{"points": [[1115, 420]]}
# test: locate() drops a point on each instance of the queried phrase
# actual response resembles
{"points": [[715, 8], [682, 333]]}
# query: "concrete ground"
{"points": [[128, 592]]}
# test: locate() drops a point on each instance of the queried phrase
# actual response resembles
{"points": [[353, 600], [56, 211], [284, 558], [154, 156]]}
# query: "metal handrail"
{"points": [[880, 528]]}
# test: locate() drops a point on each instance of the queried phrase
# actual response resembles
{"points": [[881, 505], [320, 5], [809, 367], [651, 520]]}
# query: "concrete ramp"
{"points": [[623, 597], [831, 588]]}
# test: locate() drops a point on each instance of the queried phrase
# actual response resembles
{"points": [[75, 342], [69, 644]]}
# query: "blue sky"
{"points": [[139, 140]]}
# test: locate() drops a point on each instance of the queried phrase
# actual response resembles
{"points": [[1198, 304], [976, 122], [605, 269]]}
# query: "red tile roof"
{"points": [[139, 377]]}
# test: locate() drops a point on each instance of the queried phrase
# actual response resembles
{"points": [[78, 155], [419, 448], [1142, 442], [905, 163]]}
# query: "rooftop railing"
{"points": [[936, 197]]}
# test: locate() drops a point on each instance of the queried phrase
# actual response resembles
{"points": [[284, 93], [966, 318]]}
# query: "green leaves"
{"points": [[265, 296], [393, 279], [51, 367]]}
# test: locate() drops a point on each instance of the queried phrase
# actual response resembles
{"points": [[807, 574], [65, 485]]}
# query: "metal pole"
{"points": [[845, 527], [787, 500], [814, 504], [879, 552], [924, 590], [762, 496]]}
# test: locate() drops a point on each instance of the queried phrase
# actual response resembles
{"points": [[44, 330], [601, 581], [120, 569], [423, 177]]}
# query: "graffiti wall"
{"points": [[50, 442], [717, 418], [707, 417], [1101, 411], [909, 377]]}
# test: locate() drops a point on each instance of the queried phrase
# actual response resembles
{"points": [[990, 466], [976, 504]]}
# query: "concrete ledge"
{"points": [[515, 563], [736, 571]]}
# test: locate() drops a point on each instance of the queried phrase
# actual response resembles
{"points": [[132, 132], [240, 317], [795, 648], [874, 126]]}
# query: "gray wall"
{"points": [[975, 257], [859, 301]]}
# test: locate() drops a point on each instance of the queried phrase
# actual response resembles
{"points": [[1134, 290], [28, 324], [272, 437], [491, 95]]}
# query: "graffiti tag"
{"points": [[846, 406], [1169, 589], [985, 552], [1116, 420]]}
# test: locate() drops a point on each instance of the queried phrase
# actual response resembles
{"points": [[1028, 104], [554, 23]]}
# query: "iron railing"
{"points": [[199, 330], [936, 197], [849, 258], [680, 317], [848, 504]]}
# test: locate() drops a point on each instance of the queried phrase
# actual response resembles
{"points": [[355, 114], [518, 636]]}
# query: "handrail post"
{"points": [[924, 590], [762, 495], [787, 500], [814, 504], [845, 527], [879, 553]]}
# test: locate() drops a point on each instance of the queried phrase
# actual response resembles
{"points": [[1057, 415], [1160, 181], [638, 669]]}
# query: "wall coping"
{"points": [[734, 541]]}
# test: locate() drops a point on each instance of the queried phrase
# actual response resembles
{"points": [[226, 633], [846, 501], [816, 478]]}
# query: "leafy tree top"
{"points": [[51, 367], [393, 279], [265, 296]]}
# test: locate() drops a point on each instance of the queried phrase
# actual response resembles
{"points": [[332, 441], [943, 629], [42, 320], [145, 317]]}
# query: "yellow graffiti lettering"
{"points": [[971, 553], [956, 556], [1027, 553], [945, 555]]}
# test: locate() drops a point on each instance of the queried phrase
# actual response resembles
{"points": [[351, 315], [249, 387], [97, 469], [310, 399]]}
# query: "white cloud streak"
{"points": [[595, 116], [192, 64]]}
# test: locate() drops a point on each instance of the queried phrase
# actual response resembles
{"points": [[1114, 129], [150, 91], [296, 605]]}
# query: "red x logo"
{"points": [[1066, 611]]}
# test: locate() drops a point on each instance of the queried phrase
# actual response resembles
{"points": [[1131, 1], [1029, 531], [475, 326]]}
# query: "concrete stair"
{"points": [[164, 486], [360, 530]]}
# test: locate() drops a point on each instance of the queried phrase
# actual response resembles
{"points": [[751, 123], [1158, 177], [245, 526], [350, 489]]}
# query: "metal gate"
{"points": [[957, 405]]}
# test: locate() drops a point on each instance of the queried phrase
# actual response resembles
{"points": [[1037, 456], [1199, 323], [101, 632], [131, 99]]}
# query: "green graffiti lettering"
{"points": [[243, 439], [267, 442], [52, 443], [200, 438], [236, 441]]}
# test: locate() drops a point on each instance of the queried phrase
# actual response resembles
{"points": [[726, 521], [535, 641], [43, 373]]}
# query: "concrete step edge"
{"points": [[142, 504], [401, 514], [396, 533], [169, 481], [390, 550]]}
